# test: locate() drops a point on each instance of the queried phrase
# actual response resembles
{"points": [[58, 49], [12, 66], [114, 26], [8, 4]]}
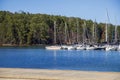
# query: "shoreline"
{"points": [[23, 46], [46, 74], [16, 45]]}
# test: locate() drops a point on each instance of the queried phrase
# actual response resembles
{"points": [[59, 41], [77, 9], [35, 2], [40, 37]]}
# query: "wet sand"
{"points": [[44, 74]]}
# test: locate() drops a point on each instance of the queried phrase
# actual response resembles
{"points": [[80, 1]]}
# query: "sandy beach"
{"points": [[44, 74]]}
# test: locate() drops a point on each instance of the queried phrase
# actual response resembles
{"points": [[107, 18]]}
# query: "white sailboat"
{"points": [[108, 47], [90, 47], [54, 47], [118, 48], [116, 39], [67, 47], [82, 46], [93, 46], [111, 48]]}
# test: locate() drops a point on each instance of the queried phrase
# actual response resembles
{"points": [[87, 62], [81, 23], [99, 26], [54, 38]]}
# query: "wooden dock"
{"points": [[44, 74]]}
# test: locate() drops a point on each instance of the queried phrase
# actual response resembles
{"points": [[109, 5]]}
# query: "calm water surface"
{"points": [[93, 60]]}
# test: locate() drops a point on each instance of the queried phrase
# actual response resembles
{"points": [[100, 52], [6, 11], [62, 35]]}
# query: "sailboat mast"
{"points": [[107, 26], [116, 31], [54, 32], [77, 31], [93, 31], [65, 32], [106, 37], [84, 32]]}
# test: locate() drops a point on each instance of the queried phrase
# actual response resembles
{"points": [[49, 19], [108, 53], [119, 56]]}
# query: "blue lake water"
{"points": [[93, 60]]}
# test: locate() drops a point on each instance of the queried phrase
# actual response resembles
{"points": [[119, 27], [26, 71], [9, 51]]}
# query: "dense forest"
{"points": [[23, 28]]}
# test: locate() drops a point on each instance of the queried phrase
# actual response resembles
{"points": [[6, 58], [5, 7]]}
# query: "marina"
{"points": [[87, 43], [85, 47], [59, 40]]}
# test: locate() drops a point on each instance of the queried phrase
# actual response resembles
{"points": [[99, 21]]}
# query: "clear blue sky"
{"points": [[85, 9]]}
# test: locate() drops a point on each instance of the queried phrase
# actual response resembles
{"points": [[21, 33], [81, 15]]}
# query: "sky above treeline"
{"points": [[85, 9]]}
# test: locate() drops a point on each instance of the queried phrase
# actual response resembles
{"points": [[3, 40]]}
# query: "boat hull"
{"points": [[53, 47]]}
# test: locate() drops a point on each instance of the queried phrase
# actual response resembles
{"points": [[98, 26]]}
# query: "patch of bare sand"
{"points": [[43, 74]]}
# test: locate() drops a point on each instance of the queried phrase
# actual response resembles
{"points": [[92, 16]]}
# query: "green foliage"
{"points": [[21, 28]]}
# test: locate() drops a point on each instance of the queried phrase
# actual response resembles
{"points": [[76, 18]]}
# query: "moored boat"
{"points": [[90, 47], [111, 48], [68, 47], [53, 47], [118, 48], [80, 47]]}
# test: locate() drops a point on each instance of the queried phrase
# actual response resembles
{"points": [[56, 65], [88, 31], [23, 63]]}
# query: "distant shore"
{"points": [[44, 74], [21, 45], [15, 45]]}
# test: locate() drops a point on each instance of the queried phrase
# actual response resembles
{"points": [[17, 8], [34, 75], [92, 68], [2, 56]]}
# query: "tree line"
{"points": [[24, 28]]}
